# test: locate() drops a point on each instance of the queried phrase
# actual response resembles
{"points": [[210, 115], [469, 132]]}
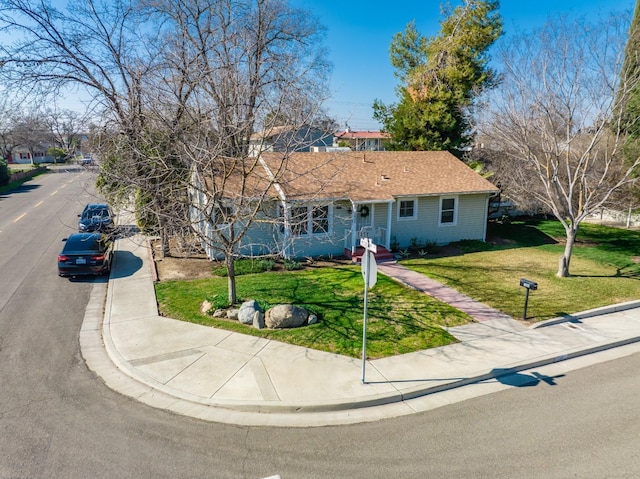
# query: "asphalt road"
{"points": [[57, 420]]}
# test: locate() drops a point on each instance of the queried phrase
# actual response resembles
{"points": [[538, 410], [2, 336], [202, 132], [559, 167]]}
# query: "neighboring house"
{"points": [[22, 155], [288, 138], [324, 203], [361, 140]]}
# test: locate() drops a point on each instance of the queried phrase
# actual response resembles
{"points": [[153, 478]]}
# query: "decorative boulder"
{"points": [[258, 320], [232, 313], [247, 311], [219, 313], [205, 307], [313, 319], [285, 316]]}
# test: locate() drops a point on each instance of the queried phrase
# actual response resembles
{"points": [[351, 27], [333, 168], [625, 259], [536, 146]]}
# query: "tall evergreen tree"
{"points": [[440, 77], [630, 96]]}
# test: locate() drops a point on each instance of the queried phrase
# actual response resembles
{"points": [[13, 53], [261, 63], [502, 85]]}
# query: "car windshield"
{"points": [[95, 212]]}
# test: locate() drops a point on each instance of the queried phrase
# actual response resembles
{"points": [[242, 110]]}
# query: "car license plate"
{"points": [[81, 261]]}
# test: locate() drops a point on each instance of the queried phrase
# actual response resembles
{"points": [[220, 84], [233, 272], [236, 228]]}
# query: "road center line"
{"points": [[19, 217], [38, 204]]}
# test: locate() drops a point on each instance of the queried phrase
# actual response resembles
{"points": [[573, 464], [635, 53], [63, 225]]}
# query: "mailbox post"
{"points": [[528, 285]]}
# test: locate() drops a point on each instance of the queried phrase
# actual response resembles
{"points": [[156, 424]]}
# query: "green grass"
{"points": [[602, 269], [400, 320]]}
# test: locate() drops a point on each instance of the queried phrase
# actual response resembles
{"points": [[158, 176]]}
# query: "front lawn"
{"points": [[400, 320], [604, 269]]}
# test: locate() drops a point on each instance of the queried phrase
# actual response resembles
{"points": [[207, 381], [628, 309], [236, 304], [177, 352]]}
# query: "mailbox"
{"points": [[528, 284]]}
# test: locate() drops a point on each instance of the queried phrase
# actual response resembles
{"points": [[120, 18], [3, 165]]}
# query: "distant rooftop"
{"points": [[357, 134]]}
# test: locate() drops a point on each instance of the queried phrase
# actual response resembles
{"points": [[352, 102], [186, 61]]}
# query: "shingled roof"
{"points": [[374, 175]]}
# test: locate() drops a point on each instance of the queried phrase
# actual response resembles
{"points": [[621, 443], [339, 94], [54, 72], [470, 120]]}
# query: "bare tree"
{"points": [[181, 100], [104, 48], [66, 127], [554, 118], [244, 63], [7, 142]]}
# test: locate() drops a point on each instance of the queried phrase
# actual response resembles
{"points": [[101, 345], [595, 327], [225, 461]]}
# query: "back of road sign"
{"points": [[369, 268]]}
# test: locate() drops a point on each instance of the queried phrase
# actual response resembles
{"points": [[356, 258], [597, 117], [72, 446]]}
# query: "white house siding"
{"points": [[470, 224]]}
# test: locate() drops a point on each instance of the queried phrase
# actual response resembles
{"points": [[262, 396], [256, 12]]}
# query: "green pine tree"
{"points": [[629, 91], [440, 77]]}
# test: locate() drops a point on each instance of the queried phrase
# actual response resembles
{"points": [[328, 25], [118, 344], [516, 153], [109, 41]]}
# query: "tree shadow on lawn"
{"points": [[630, 272], [508, 236]]}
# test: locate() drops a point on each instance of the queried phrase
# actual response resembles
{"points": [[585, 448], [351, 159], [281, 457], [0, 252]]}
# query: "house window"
{"points": [[299, 220], [308, 220], [222, 214], [320, 219], [407, 209], [448, 211]]}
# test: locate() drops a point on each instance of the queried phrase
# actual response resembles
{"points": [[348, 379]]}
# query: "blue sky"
{"points": [[359, 33]]}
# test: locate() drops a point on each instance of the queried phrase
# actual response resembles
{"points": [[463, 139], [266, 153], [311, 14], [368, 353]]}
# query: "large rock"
{"points": [[258, 320], [247, 311], [285, 316], [206, 307]]}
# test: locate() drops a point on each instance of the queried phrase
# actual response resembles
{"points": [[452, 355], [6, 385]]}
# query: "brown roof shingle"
{"points": [[374, 175]]}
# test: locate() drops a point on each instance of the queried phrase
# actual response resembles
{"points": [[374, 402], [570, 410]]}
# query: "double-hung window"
{"points": [[299, 220], [320, 219], [407, 209], [448, 211]]}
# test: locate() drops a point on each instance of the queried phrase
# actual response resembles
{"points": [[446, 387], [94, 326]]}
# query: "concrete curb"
{"points": [[614, 308]]}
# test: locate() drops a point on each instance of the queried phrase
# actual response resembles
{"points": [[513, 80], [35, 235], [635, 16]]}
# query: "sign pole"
{"points": [[364, 319], [369, 272]]}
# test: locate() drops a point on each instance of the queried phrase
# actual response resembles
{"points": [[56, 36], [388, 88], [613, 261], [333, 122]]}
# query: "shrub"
{"points": [[291, 265], [266, 264], [244, 266], [218, 301], [4, 172], [505, 219]]}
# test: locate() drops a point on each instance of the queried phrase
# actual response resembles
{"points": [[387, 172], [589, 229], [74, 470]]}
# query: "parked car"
{"points": [[85, 254], [96, 217]]}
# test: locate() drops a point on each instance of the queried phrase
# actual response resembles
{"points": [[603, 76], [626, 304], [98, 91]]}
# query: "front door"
{"points": [[364, 216]]}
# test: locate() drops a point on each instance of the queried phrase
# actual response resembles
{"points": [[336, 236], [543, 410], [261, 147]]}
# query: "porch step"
{"points": [[383, 254]]}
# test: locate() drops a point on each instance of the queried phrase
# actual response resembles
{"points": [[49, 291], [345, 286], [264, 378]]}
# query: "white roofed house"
{"points": [[321, 204]]}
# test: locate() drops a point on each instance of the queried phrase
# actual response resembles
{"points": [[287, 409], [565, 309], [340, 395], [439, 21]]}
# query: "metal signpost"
{"points": [[370, 275]]}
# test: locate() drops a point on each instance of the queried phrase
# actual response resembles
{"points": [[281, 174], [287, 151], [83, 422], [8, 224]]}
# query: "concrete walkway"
{"points": [[228, 377]]}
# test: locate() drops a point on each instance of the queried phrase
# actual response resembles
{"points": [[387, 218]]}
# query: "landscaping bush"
{"points": [[245, 266], [4, 172]]}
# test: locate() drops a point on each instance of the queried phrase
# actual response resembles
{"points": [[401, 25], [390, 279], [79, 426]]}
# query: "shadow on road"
{"points": [[510, 377]]}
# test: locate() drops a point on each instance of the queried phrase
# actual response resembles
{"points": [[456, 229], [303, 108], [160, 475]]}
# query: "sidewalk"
{"points": [[228, 377]]}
